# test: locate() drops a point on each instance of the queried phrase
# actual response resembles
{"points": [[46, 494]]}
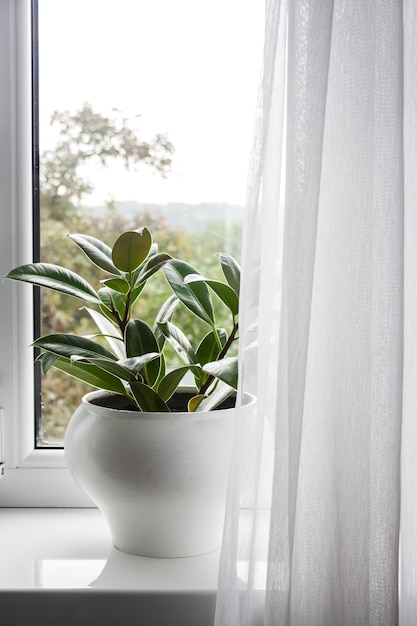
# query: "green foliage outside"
{"points": [[86, 137]]}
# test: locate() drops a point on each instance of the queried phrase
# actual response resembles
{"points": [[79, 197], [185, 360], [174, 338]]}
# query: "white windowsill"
{"points": [[58, 566]]}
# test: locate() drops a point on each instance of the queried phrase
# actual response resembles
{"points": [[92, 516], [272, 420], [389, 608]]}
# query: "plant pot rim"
{"points": [[114, 412]]}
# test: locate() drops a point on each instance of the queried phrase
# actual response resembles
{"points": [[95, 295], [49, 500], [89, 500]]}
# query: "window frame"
{"points": [[33, 476]]}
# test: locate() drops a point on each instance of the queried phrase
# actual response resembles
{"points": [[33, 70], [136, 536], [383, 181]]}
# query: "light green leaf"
{"points": [[164, 314], [195, 402], [147, 399], [231, 271], [135, 293], [225, 370], [73, 345], [56, 278], [216, 397], [97, 251], [109, 331], [195, 296], [117, 284], [131, 249]]}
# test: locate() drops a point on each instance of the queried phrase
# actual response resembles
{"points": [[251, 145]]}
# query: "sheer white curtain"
{"points": [[325, 478]]}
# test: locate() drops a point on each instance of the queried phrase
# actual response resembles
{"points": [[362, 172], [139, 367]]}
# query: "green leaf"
{"points": [[147, 399], [139, 340], [195, 402], [231, 271], [136, 363], [195, 296], [73, 345], [152, 252], [131, 249], [126, 369], [225, 370], [179, 342], [155, 263], [56, 278], [164, 314], [223, 291], [162, 371], [109, 331], [112, 367], [91, 374], [113, 300], [108, 314], [209, 349], [97, 251], [117, 284], [47, 359], [169, 383], [135, 293], [216, 397]]}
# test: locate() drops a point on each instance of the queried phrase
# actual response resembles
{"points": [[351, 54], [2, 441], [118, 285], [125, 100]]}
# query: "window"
{"points": [[198, 94]]}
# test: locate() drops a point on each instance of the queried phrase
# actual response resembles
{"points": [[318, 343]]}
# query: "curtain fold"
{"points": [[330, 240]]}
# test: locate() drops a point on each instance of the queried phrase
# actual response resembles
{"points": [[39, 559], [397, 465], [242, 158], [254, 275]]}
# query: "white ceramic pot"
{"points": [[160, 479]]}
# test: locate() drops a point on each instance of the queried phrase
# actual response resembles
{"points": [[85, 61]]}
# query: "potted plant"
{"points": [[153, 456]]}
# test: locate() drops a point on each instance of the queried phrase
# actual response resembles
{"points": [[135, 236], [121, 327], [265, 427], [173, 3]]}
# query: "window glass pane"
{"points": [[145, 118]]}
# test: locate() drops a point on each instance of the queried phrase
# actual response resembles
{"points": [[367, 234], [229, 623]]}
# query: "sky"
{"points": [[190, 68]]}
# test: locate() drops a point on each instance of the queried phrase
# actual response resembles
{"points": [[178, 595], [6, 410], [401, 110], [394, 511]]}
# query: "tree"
{"points": [[87, 136]]}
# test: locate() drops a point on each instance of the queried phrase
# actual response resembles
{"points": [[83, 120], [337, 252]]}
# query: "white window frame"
{"points": [[32, 477]]}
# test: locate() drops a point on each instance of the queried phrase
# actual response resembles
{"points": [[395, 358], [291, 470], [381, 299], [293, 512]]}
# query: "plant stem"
{"points": [[222, 354]]}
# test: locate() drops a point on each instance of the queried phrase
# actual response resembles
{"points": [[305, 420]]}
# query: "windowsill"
{"points": [[59, 564]]}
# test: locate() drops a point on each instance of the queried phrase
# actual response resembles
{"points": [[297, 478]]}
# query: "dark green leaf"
{"points": [[231, 270], [97, 251], [225, 370], [147, 399], [108, 314], [195, 296], [112, 367], [47, 359], [136, 363], [155, 263], [223, 291], [56, 278], [90, 374], [169, 384], [73, 345], [139, 340], [113, 300], [179, 341], [209, 347]]}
